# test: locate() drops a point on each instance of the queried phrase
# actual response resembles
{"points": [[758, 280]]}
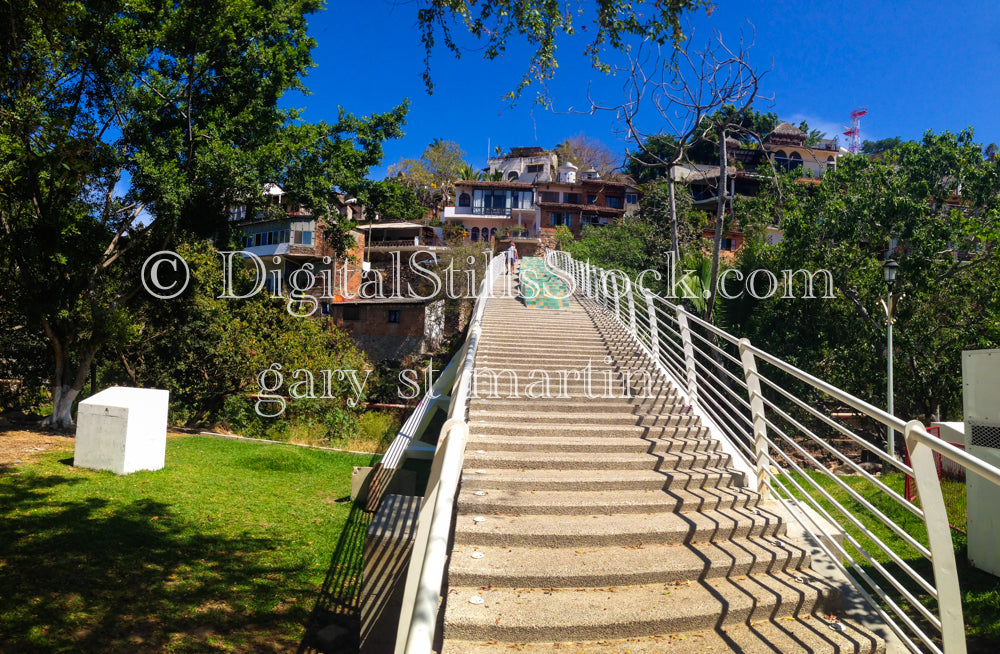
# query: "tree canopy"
{"points": [[934, 206], [129, 124], [541, 23]]}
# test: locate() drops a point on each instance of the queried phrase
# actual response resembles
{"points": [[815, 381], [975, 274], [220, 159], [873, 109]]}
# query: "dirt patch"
{"points": [[21, 446]]}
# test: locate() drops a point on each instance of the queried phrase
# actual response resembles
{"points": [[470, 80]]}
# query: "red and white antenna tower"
{"points": [[854, 133]]}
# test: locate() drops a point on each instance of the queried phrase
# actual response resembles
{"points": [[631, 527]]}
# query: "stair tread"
{"points": [[555, 530], [616, 565], [802, 636], [622, 611]]}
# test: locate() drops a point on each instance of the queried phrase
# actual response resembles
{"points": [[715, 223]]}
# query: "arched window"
{"points": [[474, 234], [493, 233], [831, 163], [512, 176], [781, 160], [464, 200], [794, 160]]}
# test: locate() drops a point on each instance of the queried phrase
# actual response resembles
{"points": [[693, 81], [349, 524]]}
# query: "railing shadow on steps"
{"points": [[422, 592], [773, 423]]}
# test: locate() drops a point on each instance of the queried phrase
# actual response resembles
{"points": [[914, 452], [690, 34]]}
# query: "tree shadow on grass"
{"points": [[95, 576]]}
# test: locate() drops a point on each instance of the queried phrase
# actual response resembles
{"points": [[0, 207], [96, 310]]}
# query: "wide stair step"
{"points": [[684, 439], [548, 479], [592, 461], [539, 502], [616, 529], [525, 567], [532, 614]]}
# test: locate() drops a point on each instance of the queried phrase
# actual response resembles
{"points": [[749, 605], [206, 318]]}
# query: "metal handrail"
{"points": [[663, 330], [422, 593]]}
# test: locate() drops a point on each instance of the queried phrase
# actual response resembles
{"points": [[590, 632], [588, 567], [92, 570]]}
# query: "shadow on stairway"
{"points": [[334, 625]]}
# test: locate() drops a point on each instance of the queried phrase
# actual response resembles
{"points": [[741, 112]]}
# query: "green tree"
{"points": [[127, 123], [880, 146], [393, 201], [936, 209], [541, 23], [209, 352], [434, 174]]}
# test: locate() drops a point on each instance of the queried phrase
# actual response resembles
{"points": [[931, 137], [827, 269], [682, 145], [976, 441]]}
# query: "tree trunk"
{"points": [[66, 386], [674, 227], [720, 221]]}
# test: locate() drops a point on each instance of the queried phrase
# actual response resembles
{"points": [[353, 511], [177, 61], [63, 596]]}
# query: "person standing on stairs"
{"points": [[511, 257]]}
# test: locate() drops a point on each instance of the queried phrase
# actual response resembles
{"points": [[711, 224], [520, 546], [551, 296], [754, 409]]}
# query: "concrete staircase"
{"points": [[614, 524]]}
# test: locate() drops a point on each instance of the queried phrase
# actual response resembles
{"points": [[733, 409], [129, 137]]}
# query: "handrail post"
{"points": [[757, 411], [654, 333], [615, 297], [938, 539], [631, 307], [692, 377]]}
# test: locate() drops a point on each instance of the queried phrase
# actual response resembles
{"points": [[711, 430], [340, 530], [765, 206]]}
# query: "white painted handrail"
{"points": [[422, 593], [746, 409]]}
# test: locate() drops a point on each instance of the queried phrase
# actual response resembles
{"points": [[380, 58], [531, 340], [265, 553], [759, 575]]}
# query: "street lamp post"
{"points": [[889, 269]]}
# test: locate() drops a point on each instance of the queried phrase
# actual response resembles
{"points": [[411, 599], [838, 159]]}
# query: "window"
{"points": [[394, 315], [352, 313], [550, 196], [302, 238], [781, 160], [571, 198], [613, 202], [326, 308], [512, 176], [535, 168], [794, 160], [559, 218], [491, 202], [493, 233], [474, 234], [591, 198], [464, 200], [631, 198]]}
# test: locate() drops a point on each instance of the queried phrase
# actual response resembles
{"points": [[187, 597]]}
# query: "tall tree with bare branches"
{"points": [[690, 96]]}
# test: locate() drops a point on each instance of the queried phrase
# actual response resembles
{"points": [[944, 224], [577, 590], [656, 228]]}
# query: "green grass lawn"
{"points": [[225, 549], [980, 590]]}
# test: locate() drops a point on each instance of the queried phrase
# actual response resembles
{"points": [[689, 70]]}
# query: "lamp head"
{"points": [[889, 269]]}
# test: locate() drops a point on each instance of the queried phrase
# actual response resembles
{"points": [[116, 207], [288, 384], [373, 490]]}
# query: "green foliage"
{"points": [[541, 23], [662, 148], [209, 352], [393, 201], [225, 548], [937, 204], [563, 237], [880, 146], [434, 174], [177, 104], [654, 208]]}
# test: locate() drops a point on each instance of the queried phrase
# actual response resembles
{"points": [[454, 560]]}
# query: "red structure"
{"points": [[854, 133]]}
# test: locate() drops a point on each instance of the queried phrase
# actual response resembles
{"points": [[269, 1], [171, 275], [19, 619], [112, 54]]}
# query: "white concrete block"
{"points": [[123, 430]]}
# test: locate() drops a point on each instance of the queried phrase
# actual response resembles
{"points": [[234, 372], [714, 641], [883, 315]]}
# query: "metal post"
{"points": [[692, 377], [890, 436], [616, 294], [938, 539], [757, 411], [631, 309], [654, 335]]}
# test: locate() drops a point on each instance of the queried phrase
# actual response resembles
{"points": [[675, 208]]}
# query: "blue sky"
{"points": [[914, 65]]}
